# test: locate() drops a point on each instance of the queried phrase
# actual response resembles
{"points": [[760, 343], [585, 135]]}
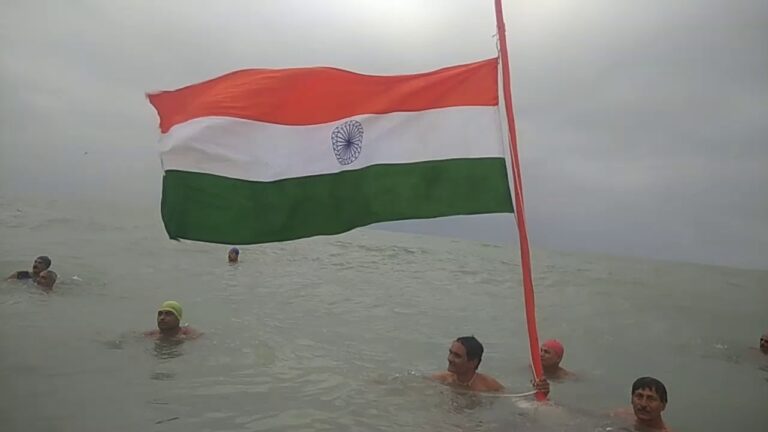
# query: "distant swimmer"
{"points": [[552, 352], [764, 343], [41, 263], [464, 357], [46, 280], [649, 400], [169, 323], [233, 255]]}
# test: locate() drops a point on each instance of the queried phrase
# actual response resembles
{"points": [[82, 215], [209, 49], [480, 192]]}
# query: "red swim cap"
{"points": [[555, 346]]}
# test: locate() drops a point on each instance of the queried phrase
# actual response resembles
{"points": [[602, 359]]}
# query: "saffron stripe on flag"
{"points": [[305, 96]]}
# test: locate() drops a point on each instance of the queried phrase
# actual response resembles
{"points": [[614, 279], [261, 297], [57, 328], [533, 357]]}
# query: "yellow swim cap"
{"points": [[172, 307]]}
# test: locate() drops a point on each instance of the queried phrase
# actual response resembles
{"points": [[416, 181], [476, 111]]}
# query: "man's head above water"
{"points": [[169, 317], [169, 326], [465, 355], [764, 342], [649, 400], [46, 279], [233, 255], [552, 352], [40, 264]]}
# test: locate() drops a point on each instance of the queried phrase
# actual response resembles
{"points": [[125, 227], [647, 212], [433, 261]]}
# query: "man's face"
{"points": [[647, 405], [232, 256], [167, 320], [457, 359], [45, 280], [548, 357], [38, 266], [764, 343]]}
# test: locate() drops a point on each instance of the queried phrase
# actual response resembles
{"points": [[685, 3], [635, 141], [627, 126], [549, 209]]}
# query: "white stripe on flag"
{"points": [[257, 151]]}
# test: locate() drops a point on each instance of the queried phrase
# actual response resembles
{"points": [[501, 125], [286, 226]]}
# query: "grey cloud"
{"points": [[642, 125]]}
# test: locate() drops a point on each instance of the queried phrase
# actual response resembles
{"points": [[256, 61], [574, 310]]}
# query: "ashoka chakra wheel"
{"points": [[347, 141]]}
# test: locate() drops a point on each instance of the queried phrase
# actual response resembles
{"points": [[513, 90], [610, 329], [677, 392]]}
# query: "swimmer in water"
{"points": [[233, 255], [46, 280], [649, 400], [464, 357], [40, 264], [169, 324], [764, 343], [552, 352]]}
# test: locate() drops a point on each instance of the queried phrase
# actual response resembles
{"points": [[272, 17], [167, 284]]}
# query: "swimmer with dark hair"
{"points": [[40, 264], [233, 255]]}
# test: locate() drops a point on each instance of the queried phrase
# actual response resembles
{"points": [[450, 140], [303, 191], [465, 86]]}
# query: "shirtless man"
{"points": [[40, 264], [464, 357], [46, 280], [649, 400], [233, 255], [552, 352], [169, 324]]}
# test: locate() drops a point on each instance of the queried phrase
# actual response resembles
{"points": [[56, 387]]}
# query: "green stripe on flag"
{"points": [[211, 208]]}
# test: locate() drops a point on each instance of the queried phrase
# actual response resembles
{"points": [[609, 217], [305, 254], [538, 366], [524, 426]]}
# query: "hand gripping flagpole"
{"points": [[525, 253]]}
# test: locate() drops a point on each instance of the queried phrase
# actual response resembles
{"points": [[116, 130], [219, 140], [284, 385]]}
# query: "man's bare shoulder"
{"points": [[442, 376], [627, 415], [564, 375], [190, 333], [488, 383]]}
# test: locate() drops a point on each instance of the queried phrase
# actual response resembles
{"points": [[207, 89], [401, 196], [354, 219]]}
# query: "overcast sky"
{"points": [[642, 125]]}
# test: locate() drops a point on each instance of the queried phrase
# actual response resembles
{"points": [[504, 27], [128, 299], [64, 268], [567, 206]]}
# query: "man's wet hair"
{"points": [[473, 347], [650, 383], [45, 260]]}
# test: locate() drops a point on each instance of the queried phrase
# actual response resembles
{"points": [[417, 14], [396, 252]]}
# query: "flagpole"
{"points": [[525, 254]]}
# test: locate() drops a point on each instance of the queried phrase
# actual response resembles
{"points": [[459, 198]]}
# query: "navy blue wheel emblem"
{"points": [[347, 141]]}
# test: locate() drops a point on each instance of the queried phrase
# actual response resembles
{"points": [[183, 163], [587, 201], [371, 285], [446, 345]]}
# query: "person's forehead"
{"points": [[458, 348], [647, 391]]}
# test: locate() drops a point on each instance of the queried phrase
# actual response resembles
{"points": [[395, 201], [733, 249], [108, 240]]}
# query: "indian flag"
{"points": [[265, 155]]}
